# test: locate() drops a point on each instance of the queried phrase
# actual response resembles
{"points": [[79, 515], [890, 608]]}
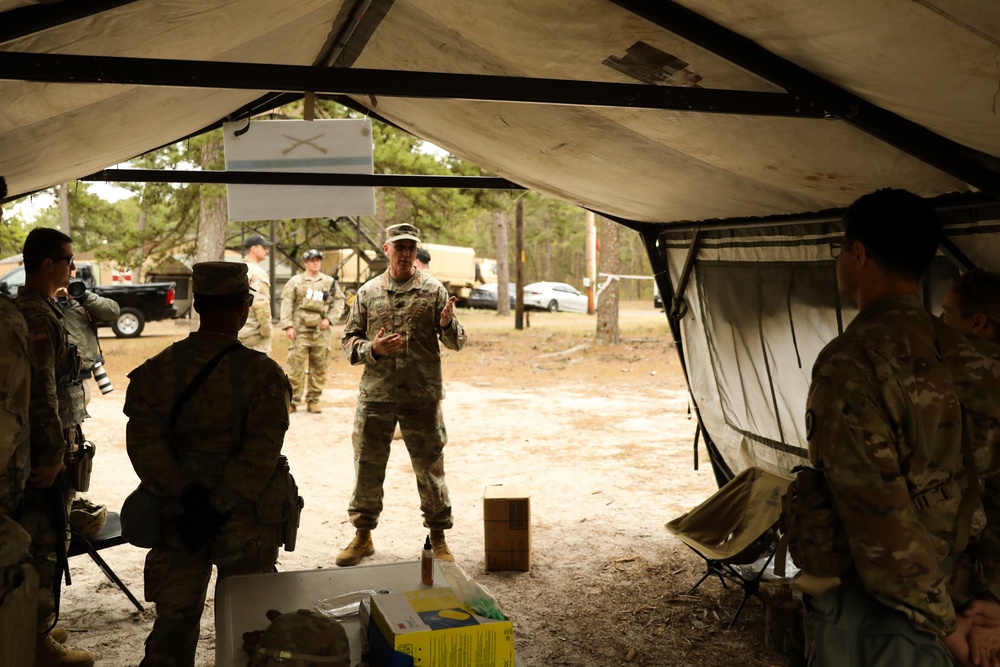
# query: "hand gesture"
{"points": [[290, 332], [447, 313], [387, 344]]}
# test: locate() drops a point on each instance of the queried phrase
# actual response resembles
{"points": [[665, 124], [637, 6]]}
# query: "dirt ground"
{"points": [[601, 436]]}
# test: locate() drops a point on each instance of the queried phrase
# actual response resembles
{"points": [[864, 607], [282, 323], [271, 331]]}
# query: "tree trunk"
{"points": [[64, 208], [519, 314], [609, 263], [212, 217], [503, 267]]}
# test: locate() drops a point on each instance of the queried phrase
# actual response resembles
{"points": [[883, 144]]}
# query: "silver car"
{"points": [[555, 297]]}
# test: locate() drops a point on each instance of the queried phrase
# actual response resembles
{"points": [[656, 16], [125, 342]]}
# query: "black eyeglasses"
{"points": [[835, 248], [67, 258]]}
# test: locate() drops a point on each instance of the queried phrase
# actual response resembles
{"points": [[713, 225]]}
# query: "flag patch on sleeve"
{"points": [[39, 334]]}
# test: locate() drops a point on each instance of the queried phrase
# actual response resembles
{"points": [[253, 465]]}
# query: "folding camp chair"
{"points": [[108, 536], [735, 526]]}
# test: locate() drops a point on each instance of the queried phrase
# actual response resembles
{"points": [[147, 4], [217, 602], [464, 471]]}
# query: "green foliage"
{"points": [[13, 229]]}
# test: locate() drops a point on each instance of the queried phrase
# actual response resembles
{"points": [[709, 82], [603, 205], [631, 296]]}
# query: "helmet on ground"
{"points": [[86, 517], [303, 638]]}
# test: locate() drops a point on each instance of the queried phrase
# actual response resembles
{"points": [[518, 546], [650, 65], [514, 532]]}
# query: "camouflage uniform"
{"points": [[79, 318], [976, 376], [256, 333], [245, 401], [57, 409], [15, 373], [406, 387], [884, 424], [18, 581], [305, 303]]}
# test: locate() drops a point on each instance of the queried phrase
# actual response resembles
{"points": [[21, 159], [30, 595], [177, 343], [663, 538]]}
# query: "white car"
{"points": [[554, 297]]}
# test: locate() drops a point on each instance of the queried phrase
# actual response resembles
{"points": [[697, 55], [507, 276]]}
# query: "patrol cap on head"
{"points": [[220, 278], [312, 254], [400, 232], [256, 239]]}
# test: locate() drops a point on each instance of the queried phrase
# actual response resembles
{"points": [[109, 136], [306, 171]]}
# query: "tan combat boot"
{"points": [[360, 547], [441, 550], [291, 408], [50, 653], [59, 634], [314, 408]]}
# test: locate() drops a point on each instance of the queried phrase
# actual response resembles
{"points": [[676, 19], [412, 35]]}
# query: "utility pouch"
{"points": [[311, 319], [79, 465], [280, 503], [142, 524], [817, 540]]}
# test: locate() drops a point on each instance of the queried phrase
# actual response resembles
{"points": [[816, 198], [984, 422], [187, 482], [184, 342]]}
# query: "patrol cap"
{"points": [[256, 239], [220, 278], [312, 254], [400, 232]]}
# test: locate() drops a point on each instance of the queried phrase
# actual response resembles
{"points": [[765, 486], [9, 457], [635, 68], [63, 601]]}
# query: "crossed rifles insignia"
{"points": [[303, 142]]}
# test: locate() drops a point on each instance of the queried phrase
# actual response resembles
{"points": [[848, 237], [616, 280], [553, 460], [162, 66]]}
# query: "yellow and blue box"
{"points": [[431, 628]]}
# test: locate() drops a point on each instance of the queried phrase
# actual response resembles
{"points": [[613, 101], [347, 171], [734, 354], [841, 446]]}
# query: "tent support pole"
{"points": [[661, 274]]}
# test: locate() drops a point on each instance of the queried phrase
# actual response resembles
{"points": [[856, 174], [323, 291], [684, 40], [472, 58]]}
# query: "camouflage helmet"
{"points": [[87, 518], [303, 638]]}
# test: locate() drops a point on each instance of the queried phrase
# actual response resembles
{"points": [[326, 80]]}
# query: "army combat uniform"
{"points": [[305, 303], [227, 439], [18, 582], [15, 374], [406, 387], [885, 427], [256, 333], [57, 409]]}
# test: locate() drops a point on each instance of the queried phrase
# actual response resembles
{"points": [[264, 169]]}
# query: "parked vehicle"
{"points": [[485, 296], [140, 303], [555, 297]]}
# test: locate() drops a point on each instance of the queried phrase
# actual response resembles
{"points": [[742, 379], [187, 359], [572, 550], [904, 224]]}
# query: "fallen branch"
{"points": [[577, 348]]}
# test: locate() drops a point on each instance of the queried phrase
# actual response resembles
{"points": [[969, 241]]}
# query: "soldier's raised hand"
{"points": [[386, 344], [447, 313]]}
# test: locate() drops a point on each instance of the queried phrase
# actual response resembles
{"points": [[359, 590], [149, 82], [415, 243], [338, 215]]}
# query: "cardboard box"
{"points": [[507, 527], [431, 628]]}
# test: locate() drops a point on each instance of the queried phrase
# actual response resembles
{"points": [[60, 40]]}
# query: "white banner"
{"points": [[337, 146]]}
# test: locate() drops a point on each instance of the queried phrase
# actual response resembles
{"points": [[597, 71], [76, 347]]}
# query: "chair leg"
{"points": [[110, 574]]}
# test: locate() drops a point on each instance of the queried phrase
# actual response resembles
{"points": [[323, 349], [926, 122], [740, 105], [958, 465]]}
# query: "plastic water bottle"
{"points": [[103, 381]]}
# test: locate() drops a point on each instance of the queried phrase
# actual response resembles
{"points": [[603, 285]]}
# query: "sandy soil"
{"points": [[600, 435]]}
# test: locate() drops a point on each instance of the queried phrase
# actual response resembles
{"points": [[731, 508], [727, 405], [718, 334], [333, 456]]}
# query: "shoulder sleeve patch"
{"points": [[38, 334]]}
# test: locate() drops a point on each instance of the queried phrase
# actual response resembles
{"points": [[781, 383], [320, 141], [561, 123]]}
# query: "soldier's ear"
{"points": [[980, 323]]}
